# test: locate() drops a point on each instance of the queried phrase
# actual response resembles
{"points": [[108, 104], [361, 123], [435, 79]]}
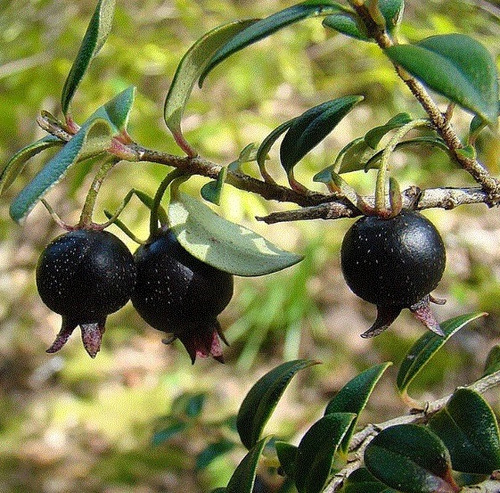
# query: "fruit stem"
{"points": [[382, 178], [153, 223], [90, 200], [55, 217], [119, 224]]}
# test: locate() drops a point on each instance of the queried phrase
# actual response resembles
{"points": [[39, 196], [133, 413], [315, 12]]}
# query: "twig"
{"points": [[413, 198], [315, 205]]}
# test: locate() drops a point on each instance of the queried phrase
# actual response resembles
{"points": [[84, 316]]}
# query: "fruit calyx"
{"points": [[202, 340]]}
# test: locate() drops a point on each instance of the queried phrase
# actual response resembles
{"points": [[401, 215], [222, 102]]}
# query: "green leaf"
{"points": [[17, 162], [268, 142], [189, 404], [94, 137], [261, 400], [316, 451], [95, 37], [492, 364], [355, 157], [468, 152], [310, 128], [350, 24], [247, 155], [243, 479], [287, 455], [362, 481], [169, 432], [190, 68], [477, 123], [223, 244], [469, 429], [117, 110], [347, 23], [417, 143], [213, 452], [455, 66], [427, 346], [392, 10], [351, 158], [353, 396], [411, 459], [375, 135], [212, 190], [268, 26]]}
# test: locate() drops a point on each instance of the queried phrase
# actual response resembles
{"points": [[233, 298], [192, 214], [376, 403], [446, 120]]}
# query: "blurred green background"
{"points": [[72, 424]]}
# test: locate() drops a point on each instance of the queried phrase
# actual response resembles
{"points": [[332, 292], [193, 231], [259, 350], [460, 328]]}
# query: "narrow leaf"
{"points": [[91, 139], [95, 37], [350, 158], [223, 244], [353, 396], [492, 364], [268, 142], [469, 429], [117, 111], [455, 66], [375, 135], [213, 452], [316, 451], [350, 24], [268, 26], [392, 10], [17, 162], [169, 432], [190, 68], [347, 23], [243, 478], [427, 346], [287, 455], [411, 459], [310, 128], [261, 400], [194, 404], [247, 155]]}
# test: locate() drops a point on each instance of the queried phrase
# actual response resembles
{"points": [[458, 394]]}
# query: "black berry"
{"points": [[85, 275], [181, 295], [394, 263]]}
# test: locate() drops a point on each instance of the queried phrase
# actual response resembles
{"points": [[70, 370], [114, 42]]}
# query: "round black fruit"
{"points": [[394, 263], [85, 275], [181, 295]]}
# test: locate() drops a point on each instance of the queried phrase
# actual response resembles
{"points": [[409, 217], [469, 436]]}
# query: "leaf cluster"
{"points": [[444, 446]]}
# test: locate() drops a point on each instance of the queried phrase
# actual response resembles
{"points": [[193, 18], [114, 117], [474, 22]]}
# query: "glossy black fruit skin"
{"points": [[175, 291], [85, 275], [393, 262]]}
